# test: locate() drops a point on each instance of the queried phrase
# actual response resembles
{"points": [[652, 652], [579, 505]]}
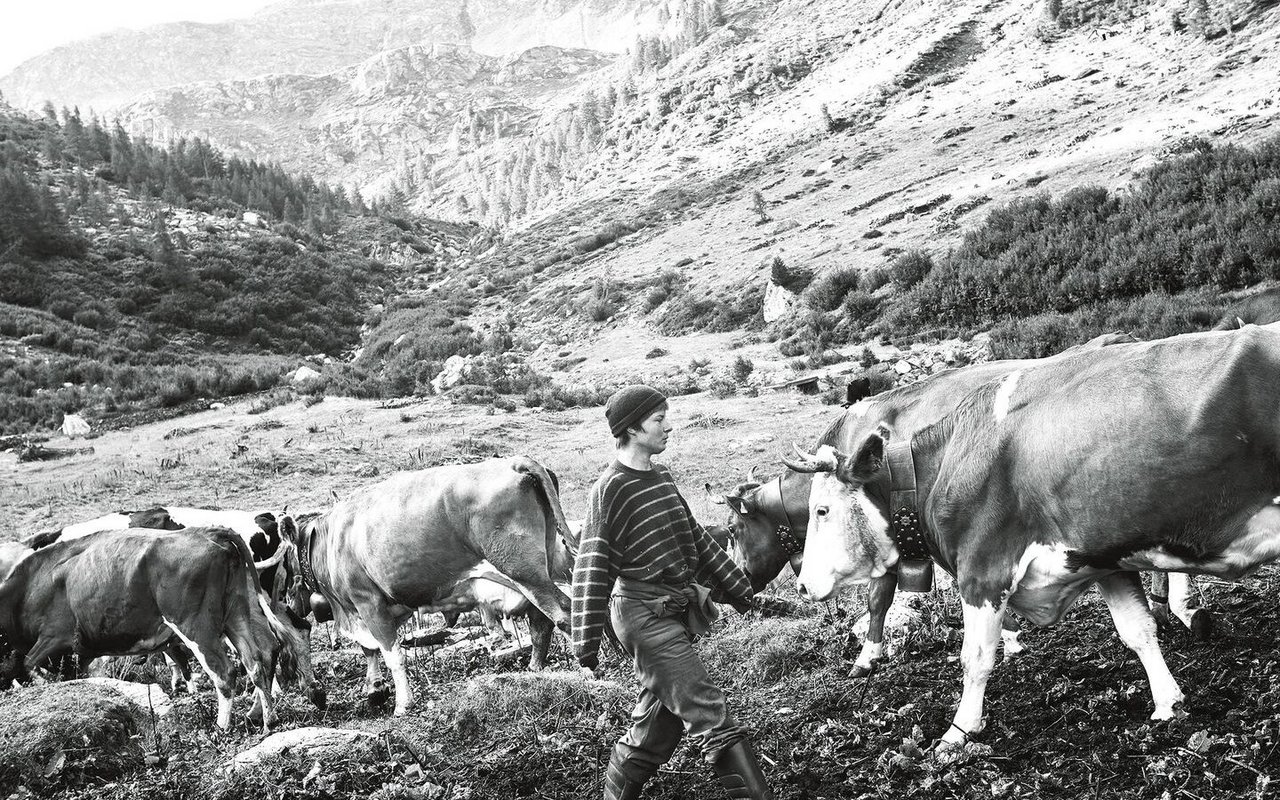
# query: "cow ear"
{"points": [[865, 464], [739, 504]]}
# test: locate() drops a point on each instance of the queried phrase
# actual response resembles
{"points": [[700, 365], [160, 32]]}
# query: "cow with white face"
{"points": [[1154, 456], [769, 519], [411, 541]]}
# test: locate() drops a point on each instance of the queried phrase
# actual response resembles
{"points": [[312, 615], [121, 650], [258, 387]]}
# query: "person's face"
{"points": [[651, 433]]}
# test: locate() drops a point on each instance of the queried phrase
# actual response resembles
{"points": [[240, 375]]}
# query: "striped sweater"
{"points": [[638, 526]]}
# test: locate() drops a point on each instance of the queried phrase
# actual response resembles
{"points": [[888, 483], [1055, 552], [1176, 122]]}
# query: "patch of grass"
{"points": [[270, 401], [600, 306], [751, 652], [66, 733], [540, 701]]}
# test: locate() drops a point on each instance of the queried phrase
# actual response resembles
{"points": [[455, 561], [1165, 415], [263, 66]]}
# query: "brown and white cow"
{"points": [[499, 601], [1171, 592], [268, 536], [769, 520], [410, 541], [1153, 456], [143, 591]]}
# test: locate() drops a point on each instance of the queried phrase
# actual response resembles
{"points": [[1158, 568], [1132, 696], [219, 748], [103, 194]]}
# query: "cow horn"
{"points": [[715, 498], [751, 473], [275, 559], [809, 462]]}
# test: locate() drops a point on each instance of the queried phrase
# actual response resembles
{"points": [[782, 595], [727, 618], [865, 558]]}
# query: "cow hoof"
{"points": [[1161, 613], [860, 671], [379, 696], [1202, 625], [319, 698], [1173, 710]]}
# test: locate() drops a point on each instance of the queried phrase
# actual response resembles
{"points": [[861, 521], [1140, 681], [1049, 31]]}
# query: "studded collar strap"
{"points": [[304, 557], [783, 530], [905, 525]]}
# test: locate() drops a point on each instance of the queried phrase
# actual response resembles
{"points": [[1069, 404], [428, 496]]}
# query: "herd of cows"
{"points": [[1027, 480]]}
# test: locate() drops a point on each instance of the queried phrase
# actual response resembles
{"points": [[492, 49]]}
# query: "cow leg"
{"points": [[372, 672], [982, 624], [212, 657], [540, 630], [179, 669], [45, 650], [394, 657], [880, 592], [1009, 633], [1160, 597], [1137, 629], [1198, 620]]}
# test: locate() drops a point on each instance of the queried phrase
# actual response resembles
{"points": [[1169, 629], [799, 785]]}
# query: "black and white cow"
{"points": [[127, 592], [267, 534], [1153, 456]]}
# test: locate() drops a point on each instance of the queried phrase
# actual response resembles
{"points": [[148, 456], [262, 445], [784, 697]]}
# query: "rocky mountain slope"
{"points": [[828, 133], [309, 37], [870, 130], [395, 120]]}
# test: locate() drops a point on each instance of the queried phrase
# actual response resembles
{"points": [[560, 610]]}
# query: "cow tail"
{"points": [[556, 526], [227, 542]]}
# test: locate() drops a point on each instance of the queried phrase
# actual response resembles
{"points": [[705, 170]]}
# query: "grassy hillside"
{"points": [[135, 276], [841, 136], [1068, 718]]}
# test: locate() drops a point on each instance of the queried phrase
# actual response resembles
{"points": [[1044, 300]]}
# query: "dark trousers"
{"points": [[676, 692]]}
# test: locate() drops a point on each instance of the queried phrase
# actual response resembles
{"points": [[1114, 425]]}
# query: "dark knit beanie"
{"points": [[631, 404]]}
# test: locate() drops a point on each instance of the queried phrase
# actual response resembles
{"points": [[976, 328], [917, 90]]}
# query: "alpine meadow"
{"points": [[901, 271]]}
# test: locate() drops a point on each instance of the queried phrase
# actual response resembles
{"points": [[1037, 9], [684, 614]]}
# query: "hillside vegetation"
{"points": [[134, 276]]}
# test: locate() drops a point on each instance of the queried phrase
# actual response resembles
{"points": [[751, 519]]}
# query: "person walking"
{"points": [[647, 567]]}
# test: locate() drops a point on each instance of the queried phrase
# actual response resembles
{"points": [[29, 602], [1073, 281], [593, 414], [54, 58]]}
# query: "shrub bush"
{"points": [[600, 307], [793, 279], [828, 290], [910, 268]]}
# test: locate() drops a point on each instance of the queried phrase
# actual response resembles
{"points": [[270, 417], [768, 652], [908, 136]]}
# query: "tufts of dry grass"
{"points": [[63, 734], [756, 652], [537, 701]]}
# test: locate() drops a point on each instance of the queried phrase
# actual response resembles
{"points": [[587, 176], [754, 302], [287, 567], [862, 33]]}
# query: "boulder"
{"points": [[74, 425], [148, 697], [777, 302], [303, 374], [455, 369], [314, 744]]}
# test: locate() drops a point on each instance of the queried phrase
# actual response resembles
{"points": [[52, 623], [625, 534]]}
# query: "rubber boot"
{"points": [[739, 771], [619, 784]]}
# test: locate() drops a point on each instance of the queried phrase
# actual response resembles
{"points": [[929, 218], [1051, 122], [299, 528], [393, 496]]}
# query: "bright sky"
{"points": [[32, 26]]}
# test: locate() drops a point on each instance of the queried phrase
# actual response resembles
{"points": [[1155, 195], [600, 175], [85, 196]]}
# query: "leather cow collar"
{"points": [[304, 557], [791, 544], [905, 526]]}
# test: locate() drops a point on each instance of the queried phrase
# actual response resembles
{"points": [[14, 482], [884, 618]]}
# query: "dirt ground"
{"points": [[1069, 718]]}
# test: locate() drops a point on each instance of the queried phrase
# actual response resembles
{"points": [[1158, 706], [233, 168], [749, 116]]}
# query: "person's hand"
{"points": [[743, 606]]}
